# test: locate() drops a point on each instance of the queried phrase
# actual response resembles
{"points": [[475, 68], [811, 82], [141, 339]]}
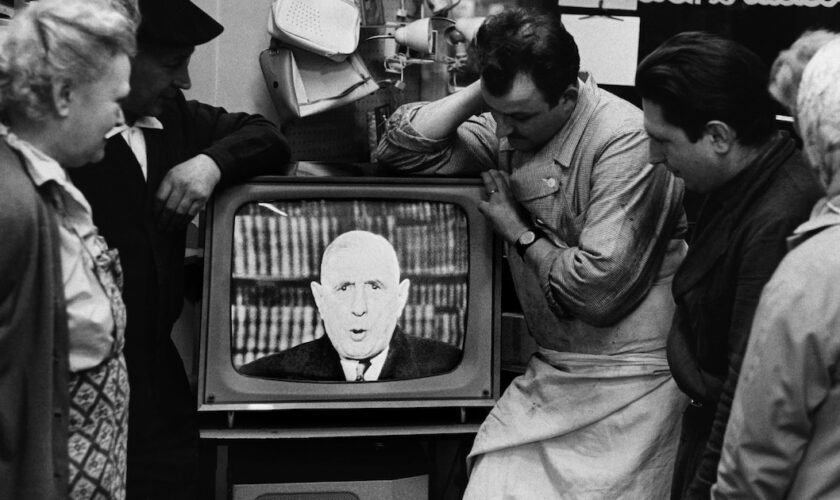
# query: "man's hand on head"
{"points": [[184, 191], [506, 215]]}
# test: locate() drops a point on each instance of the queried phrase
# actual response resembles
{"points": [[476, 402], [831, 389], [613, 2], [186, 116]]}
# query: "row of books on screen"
{"points": [[439, 292], [285, 240], [264, 321]]}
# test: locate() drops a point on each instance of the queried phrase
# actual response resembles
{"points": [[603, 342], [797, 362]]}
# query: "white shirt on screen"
{"points": [[373, 371]]}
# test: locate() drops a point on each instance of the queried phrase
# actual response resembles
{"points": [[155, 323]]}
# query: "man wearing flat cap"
{"points": [[155, 177]]}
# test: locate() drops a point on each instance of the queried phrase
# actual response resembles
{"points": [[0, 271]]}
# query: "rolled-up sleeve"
{"points": [[633, 212], [630, 209], [469, 151]]}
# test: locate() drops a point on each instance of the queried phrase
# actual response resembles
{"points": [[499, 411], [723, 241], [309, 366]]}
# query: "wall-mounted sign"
{"points": [[608, 45], [600, 4], [771, 3]]}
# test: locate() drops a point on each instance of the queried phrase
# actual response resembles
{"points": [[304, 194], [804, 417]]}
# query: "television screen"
{"points": [[367, 291], [276, 325]]}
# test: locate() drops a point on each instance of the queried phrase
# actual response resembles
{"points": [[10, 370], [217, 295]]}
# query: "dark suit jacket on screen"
{"points": [[408, 357]]}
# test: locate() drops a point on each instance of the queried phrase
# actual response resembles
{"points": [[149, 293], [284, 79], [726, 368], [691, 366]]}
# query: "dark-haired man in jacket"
{"points": [[710, 120]]}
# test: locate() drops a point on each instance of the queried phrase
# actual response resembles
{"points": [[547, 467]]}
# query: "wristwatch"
{"points": [[527, 239]]}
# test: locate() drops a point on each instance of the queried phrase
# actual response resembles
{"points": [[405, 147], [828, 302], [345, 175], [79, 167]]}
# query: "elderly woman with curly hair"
{"points": [[64, 67], [786, 72], [783, 437]]}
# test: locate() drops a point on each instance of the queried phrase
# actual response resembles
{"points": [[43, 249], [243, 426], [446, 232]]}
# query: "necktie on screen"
{"points": [[361, 367]]}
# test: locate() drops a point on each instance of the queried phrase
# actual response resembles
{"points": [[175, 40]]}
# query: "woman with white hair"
{"points": [[64, 67], [783, 436], [786, 72]]}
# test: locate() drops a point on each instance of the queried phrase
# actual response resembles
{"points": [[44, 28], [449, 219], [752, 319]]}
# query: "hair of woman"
{"points": [[58, 42]]}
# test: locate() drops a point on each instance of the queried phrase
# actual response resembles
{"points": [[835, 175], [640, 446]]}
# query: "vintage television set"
{"points": [[263, 245]]}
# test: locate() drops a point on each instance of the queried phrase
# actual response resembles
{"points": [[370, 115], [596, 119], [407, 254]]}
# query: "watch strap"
{"points": [[521, 248]]}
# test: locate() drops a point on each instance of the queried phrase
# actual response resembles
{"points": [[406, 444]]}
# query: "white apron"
{"points": [[581, 426]]}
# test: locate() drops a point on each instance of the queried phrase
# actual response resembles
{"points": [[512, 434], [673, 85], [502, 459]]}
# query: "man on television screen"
{"points": [[594, 232], [360, 299]]}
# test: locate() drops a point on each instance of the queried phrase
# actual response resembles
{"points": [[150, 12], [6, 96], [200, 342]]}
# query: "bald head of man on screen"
{"points": [[360, 299]]}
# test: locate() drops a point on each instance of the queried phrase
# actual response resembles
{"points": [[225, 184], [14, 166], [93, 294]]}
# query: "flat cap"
{"points": [[175, 22]]}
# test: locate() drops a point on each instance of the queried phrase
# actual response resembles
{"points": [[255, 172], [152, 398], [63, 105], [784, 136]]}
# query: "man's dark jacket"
{"points": [[408, 357], [162, 407], [738, 241]]}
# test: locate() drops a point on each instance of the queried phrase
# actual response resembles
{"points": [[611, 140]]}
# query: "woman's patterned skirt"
{"points": [[99, 431]]}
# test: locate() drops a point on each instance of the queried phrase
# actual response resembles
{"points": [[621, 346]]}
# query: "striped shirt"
{"points": [[615, 219]]}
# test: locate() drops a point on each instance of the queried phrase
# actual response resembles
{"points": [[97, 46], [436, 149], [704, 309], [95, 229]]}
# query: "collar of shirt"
{"points": [[729, 194], [373, 371], [826, 213], [562, 146], [148, 122], [142, 122], [723, 207], [735, 191], [43, 169], [133, 136]]}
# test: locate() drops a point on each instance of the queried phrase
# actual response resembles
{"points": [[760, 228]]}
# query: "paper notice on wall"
{"points": [[608, 46], [594, 4]]}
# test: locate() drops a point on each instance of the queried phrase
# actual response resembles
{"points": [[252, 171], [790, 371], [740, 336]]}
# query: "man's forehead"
{"points": [[358, 264], [523, 96]]}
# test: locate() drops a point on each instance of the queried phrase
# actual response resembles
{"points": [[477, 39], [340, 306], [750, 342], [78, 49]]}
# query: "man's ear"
{"points": [[720, 135], [402, 295], [568, 100], [570, 94], [317, 293], [62, 96]]}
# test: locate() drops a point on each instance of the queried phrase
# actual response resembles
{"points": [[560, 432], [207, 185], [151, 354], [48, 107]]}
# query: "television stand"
{"points": [[253, 451], [296, 424]]}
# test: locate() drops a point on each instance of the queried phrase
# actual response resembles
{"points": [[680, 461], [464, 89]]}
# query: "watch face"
{"points": [[527, 238]]}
